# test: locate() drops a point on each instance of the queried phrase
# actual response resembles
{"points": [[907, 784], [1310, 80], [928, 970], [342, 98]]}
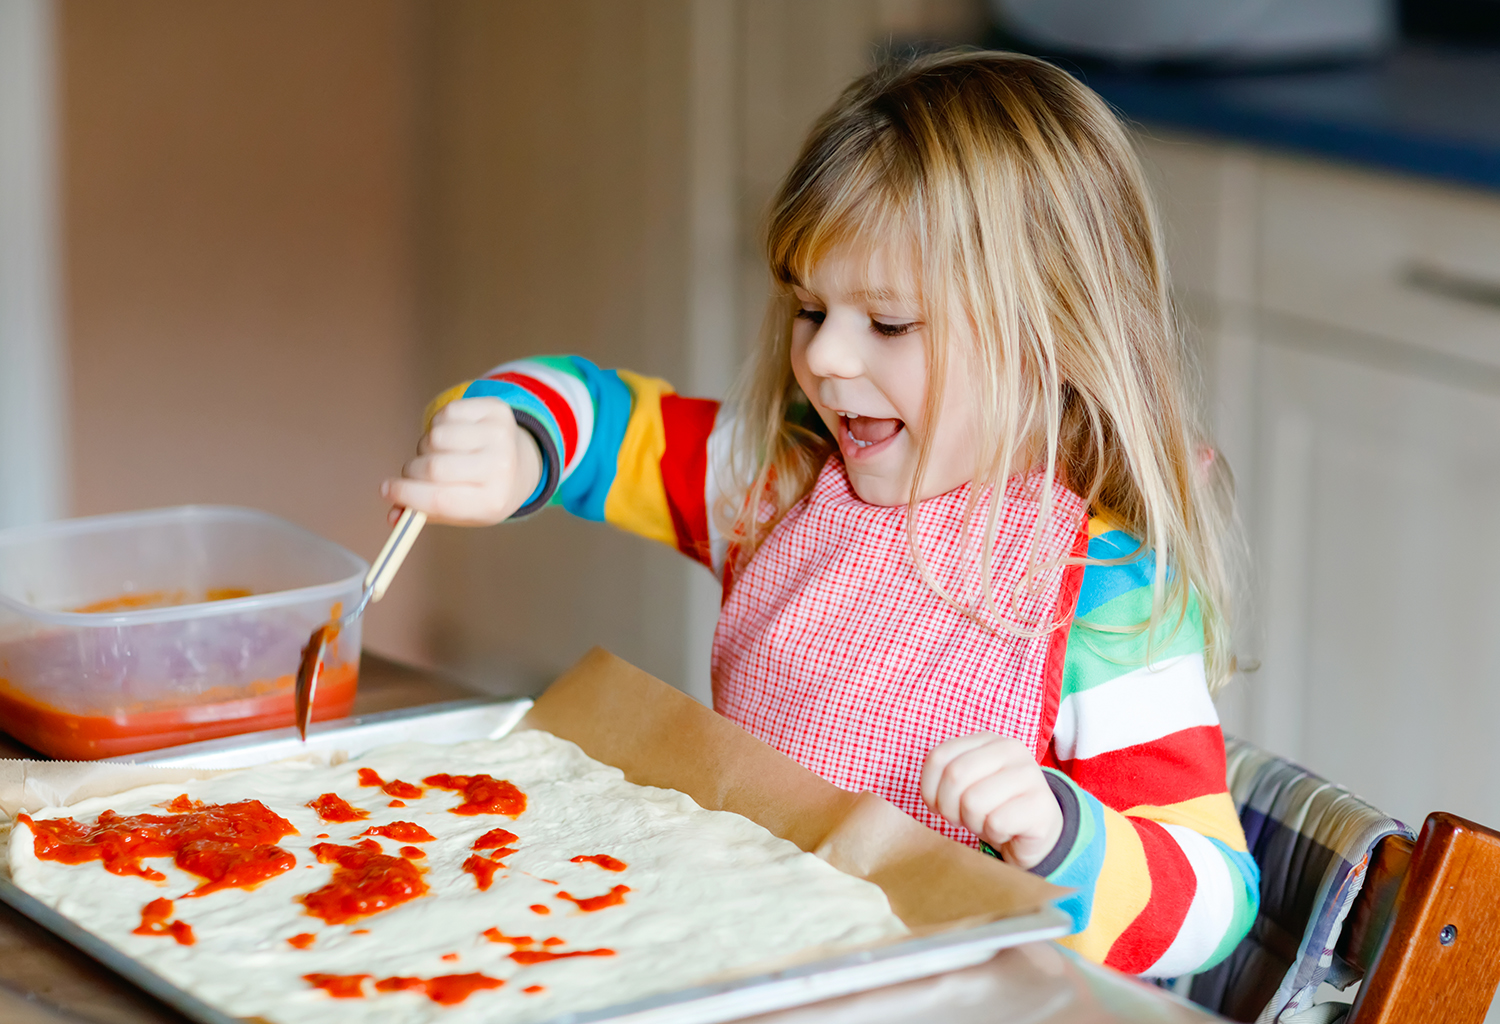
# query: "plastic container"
{"points": [[130, 632]]}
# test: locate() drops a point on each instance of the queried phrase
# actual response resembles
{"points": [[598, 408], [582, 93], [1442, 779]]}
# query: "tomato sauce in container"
{"points": [[132, 632]]}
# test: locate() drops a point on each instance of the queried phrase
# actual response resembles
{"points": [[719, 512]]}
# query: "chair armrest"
{"points": [[1440, 957]]}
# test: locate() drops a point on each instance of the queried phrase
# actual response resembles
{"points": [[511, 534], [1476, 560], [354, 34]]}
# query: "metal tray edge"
{"points": [[810, 982]]}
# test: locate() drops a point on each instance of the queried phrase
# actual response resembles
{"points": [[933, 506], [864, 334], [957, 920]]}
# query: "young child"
{"points": [[970, 535]]}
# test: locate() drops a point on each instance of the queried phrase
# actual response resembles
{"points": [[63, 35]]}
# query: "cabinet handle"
{"points": [[1435, 280]]}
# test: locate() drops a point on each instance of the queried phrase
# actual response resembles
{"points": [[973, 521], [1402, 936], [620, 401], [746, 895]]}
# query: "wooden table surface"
{"points": [[43, 980]]}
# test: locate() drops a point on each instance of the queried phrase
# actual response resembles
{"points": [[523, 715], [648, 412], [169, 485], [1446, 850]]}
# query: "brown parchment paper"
{"points": [[659, 736]]}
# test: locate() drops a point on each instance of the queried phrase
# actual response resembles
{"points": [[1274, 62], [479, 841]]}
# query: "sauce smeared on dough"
{"points": [[482, 794], [604, 861], [527, 957], [192, 837], [365, 882], [613, 898], [154, 922], [340, 986], [483, 869], [446, 989]]}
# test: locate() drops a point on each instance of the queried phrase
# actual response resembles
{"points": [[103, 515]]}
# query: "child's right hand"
{"points": [[474, 466]]}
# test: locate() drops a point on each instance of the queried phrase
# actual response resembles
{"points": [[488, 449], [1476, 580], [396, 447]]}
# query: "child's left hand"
{"points": [[992, 786]]}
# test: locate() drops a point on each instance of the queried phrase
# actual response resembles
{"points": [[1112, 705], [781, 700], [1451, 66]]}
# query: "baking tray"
{"points": [[457, 721]]}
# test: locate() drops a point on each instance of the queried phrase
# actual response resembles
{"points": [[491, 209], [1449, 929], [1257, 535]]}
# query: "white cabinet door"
{"points": [[1378, 482]]}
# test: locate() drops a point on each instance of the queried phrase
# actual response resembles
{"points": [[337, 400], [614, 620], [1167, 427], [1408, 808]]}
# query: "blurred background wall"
{"points": [[281, 227]]}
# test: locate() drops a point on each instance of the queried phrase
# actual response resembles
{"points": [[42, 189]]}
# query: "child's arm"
{"points": [[608, 445], [1151, 839]]}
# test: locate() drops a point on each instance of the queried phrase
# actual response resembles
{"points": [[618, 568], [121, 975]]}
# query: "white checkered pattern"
{"points": [[831, 648]]}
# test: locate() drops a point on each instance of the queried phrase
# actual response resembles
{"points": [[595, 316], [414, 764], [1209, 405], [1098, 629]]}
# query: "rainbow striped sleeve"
{"points": [[1151, 839], [616, 447]]}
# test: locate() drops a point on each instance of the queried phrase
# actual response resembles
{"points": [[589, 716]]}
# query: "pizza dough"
{"points": [[600, 891]]}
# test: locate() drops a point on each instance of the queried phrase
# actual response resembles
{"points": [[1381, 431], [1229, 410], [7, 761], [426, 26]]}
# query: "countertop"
{"points": [[1425, 109]]}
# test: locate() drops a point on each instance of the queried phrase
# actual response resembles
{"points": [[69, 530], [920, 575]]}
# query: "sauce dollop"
{"points": [[493, 838], [302, 940], [413, 852], [540, 908], [365, 882], [401, 831], [154, 922], [482, 794], [332, 807], [603, 860], [532, 990], [613, 898], [396, 788]]}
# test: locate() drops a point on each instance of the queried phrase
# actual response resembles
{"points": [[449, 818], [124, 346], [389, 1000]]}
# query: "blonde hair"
{"points": [[1027, 210]]}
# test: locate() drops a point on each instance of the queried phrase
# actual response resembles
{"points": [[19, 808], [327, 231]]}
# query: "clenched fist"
{"points": [[992, 786]]}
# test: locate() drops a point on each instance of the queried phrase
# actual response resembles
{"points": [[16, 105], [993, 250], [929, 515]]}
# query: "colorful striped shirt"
{"points": [[1151, 841]]}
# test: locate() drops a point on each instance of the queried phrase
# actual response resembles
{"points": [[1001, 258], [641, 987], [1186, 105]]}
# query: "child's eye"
{"points": [[815, 316], [892, 330]]}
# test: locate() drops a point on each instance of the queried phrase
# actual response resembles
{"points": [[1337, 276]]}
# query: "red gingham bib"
{"points": [[831, 647]]}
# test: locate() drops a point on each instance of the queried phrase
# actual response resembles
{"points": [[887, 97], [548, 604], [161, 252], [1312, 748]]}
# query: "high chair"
{"points": [[1349, 894]]}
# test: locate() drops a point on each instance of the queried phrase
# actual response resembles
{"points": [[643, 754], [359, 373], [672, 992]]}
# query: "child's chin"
{"points": [[874, 489]]}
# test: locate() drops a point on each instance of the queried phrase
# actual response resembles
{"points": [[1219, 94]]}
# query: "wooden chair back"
{"points": [[1425, 928]]}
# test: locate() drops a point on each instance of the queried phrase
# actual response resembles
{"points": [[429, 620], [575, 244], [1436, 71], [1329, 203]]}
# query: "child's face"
{"points": [[859, 352]]}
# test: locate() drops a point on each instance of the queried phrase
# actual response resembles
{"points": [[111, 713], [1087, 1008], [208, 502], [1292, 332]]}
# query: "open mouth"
{"points": [[863, 433]]}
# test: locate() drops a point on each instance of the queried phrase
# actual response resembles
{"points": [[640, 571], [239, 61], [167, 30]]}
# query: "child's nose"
{"points": [[834, 350]]}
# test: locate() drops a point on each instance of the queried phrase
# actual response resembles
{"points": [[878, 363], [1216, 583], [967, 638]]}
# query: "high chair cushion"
{"points": [[1312, 840]]}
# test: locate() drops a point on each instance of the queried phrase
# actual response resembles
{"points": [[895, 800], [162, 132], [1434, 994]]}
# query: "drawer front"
{"points": [[1398, 258]]}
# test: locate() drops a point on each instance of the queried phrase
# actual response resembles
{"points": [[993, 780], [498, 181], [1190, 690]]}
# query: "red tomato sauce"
{"points": [[613, 898], [483, 869], [228, 845], [527, 957], [401, 832], [333, 808], [482, 794], [302, 940], [604, 860], [446, 989], [540, 908], [340, 986], [493, 838], [532, 990], [519, 941], [154, 922], [224, 711], [396, 788], [365, 882]]}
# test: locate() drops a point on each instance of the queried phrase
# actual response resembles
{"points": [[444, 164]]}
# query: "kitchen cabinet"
{"points": [[1349, 327]]}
